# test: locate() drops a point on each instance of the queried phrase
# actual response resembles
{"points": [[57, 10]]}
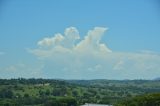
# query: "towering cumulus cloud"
{"points": [[69, 56], [67, 43], [92, 43]]}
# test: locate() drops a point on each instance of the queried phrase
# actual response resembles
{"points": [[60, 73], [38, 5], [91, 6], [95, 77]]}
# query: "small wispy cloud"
{"points": [[21, 70], [2, 53]]}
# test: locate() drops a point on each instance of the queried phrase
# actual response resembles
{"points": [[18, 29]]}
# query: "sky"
{"points": [[80, 39]]}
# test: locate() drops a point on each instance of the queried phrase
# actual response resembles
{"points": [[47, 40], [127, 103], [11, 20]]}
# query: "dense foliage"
{"points": [[49, 92], [143, 100]]}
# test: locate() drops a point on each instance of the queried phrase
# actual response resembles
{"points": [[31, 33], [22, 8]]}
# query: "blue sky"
{"points": [[127, 31]]}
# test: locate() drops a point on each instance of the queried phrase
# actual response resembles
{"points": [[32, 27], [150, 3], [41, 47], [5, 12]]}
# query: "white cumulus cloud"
{"points": [[50, 46], [91, 42], [67, 40], [65, 57], [52, 41]]}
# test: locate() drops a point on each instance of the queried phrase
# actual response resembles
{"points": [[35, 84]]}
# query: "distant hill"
{"points": [[157, 79]]}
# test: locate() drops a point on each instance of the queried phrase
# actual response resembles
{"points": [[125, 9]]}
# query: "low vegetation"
{"points": [[49, 92]]}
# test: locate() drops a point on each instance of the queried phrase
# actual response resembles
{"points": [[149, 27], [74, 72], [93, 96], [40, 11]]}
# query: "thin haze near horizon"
{"points": [[80, 39]]}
